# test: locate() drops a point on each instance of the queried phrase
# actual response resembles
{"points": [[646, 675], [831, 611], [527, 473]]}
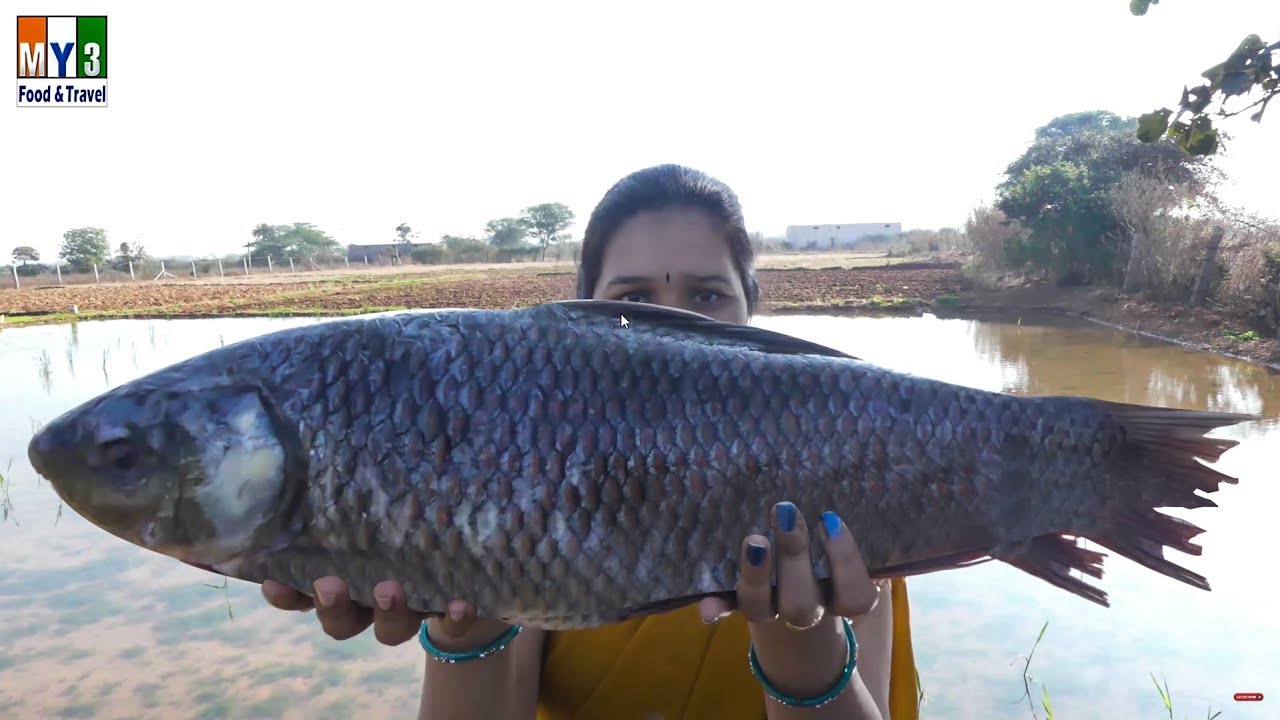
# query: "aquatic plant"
{"points": [[6, 505], [45, 364], [1028, 680]]}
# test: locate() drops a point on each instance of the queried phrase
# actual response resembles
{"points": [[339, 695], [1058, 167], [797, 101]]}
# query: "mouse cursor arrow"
{"points": [[622, 319]]}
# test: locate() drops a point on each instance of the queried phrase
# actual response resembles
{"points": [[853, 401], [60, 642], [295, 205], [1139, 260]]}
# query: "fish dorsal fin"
{"points": [[746, 335]]}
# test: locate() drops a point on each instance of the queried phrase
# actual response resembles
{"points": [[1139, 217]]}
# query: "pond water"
{"points": [[94, 627]]}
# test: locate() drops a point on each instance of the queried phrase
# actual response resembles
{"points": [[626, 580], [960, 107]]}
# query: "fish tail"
{"points": [[1158, 466], [1161, 460]]}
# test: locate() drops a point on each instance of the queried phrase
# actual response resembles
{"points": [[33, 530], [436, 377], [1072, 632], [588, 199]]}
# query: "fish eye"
{"points": [[120, 455]]}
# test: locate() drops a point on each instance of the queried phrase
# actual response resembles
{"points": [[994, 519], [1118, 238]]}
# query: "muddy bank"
{"points": [[1199, 328]]}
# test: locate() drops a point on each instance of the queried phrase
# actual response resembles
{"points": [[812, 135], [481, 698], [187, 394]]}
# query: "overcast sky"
{"points": [[445, 115]]}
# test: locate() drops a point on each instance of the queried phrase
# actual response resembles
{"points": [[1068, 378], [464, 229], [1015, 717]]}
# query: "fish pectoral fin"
{"points": [[950, 561], [1052, 558]]}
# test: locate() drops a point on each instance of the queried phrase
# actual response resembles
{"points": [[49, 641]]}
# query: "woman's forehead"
{"points": [[683, 243]]}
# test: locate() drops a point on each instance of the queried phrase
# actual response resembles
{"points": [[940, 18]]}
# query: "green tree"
{"points": [[404, 233], [459, 242], [465, 248], [268, 240], [548, 223], [25, 254], [506, 232], [1253, 65], [296, 240], [84, 247], [306, 240], [131, 253], [1060, 192]]}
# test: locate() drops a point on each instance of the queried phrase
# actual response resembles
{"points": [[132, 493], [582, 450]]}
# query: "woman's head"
{"points": [[671, 235]]}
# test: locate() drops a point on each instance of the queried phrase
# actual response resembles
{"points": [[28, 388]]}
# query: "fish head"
{"points": [[192, 471]]}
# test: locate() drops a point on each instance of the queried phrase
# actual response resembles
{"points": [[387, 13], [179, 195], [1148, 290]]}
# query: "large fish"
{"points": [[561, 468]]}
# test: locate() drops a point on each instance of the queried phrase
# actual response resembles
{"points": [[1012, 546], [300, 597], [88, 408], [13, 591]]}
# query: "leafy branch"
{"points": [[1252, 66]]}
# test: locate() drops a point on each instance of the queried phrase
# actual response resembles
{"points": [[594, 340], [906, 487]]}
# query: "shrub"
{"points": [[427, 255]]}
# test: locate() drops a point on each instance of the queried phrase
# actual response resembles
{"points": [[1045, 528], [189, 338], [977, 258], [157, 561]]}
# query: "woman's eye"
{"points": [[708, 296], [633, 297]]}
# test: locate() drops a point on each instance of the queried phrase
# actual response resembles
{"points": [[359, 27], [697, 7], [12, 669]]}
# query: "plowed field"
{"points": [[486, 288]]}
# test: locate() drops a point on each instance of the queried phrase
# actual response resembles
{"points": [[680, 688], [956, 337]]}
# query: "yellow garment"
{"points": [[672, 664]]}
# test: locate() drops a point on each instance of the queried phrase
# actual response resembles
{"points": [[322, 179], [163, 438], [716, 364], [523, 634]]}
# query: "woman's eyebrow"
{"points": [[626, 280], [713, 278]]}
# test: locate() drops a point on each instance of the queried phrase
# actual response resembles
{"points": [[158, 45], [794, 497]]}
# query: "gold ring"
{"points": [[817, 619]]}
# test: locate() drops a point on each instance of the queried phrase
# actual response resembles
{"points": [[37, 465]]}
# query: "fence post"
{"points": [[246, 264], [163, 272], [131, 277], [348, 260], [96, 279], [220, 272], [271, 268], [58, 267], [17, 284], [193, 270], [291, 268]]}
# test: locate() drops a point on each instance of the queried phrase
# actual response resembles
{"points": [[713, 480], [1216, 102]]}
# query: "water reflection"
{"points": [[1122, 370], [123, 632]]}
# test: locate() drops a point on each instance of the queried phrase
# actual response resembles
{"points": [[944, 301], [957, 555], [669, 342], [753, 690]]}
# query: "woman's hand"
{"points": [[800, 644], [393, 622]]}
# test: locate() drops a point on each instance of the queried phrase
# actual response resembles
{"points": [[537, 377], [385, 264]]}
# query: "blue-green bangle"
{"points": [[850, 664], [448, 657]]}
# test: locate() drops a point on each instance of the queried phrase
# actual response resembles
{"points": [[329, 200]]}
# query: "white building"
{"points": [[837, 236]]}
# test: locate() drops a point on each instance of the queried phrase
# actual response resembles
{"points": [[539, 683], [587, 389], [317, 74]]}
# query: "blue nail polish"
{"points": [[831, 522], [787, 516], [755, 554]]}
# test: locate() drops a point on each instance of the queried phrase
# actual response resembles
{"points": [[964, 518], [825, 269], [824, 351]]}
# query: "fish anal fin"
{"points": [[1052, 558]]}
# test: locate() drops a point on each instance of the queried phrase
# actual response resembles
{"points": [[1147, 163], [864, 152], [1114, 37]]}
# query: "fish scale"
{"points": [[552, 467]]}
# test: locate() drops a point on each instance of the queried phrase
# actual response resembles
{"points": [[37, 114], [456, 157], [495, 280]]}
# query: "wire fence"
{"points": [[161, 270], [233, 267]]}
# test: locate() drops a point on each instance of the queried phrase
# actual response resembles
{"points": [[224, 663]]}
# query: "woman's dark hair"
{"points": [[659, 188]]}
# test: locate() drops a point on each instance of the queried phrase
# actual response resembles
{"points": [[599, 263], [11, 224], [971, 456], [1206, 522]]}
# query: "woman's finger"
{"points": [[459, 616], [755, 589], [393, 622], [799, 602], [283, 597], [714, 609], [854, 592], [340, 618]]}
